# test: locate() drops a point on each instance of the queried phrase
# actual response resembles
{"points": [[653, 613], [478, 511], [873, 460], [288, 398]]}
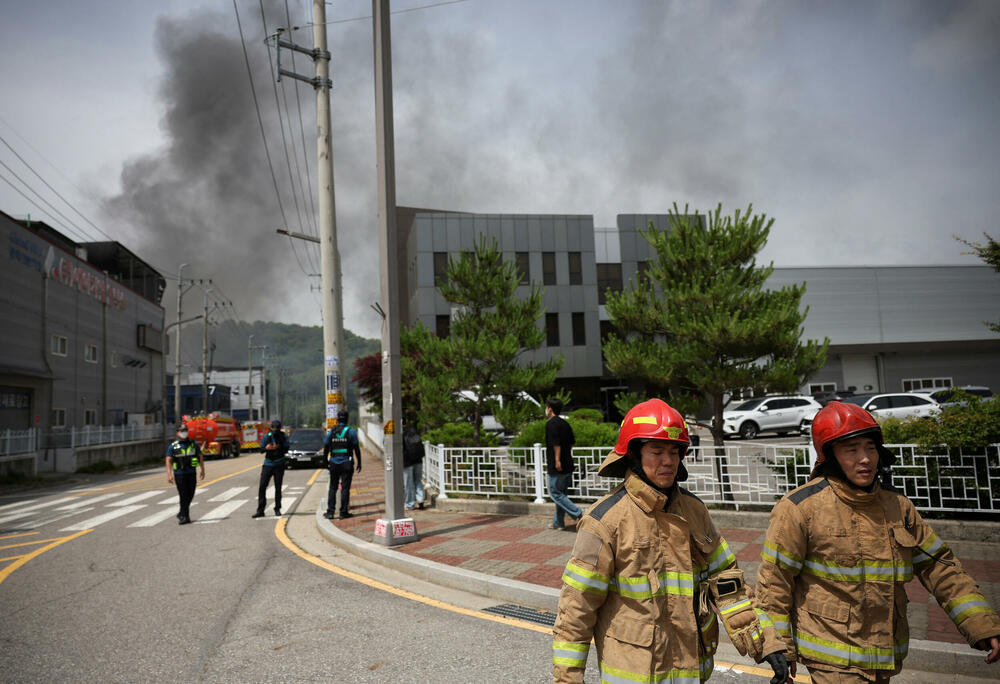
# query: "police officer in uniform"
{"points": [[341, 443], [183, 459], [275, 446]]}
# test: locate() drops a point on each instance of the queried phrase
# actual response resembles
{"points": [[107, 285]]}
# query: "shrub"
{"points": [[974, 424], [586, 432], [593, 415], [459, 435]]}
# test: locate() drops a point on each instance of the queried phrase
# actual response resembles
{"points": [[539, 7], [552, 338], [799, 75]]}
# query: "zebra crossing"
{"points": [[82, 512]]}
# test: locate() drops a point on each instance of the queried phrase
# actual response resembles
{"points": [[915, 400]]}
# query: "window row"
{"points": [[59, 346], [59, 417], [442, 328], [522, 261]]}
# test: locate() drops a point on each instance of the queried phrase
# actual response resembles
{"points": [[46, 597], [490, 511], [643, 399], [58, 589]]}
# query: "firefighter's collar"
{"points": [[648, 498], [853, 495]]}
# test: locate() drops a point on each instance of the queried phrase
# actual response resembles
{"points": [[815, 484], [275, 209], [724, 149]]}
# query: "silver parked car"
{"points": [[770, 414], [896, 404]]}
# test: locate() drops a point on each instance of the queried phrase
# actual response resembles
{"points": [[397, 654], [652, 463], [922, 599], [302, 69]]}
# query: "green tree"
{"points": [[990, 253], [491, 330], [713, 329]]}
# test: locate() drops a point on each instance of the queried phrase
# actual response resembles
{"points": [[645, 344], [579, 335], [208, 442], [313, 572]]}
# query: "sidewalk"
{"points": [[518, 558]]}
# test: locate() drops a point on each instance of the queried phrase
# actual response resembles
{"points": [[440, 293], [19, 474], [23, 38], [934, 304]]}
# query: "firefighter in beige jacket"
{"points": [[647, 568], [838, 552]]}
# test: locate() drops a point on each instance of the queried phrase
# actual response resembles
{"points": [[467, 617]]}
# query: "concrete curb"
{"points": [[500, 588]]}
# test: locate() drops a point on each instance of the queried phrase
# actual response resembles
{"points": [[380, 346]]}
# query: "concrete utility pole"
{"points": [[204, 357], [250, 378], [333, 321], [394, 528], [177, 351]]}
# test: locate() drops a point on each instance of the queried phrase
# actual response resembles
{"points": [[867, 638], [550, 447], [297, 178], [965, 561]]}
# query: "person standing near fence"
{"points": [[649, 570], [559, 441], [184, 459], [413, 468], [840, 549]]}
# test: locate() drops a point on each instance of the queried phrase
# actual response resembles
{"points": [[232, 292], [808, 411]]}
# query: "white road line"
{"points": [[85, 501], [228, 494], [103, 518], [173, 499], [221, 512], [28, 510], [157, 517], [287, 501], [35, 524], [26, 502], [135, 499]]}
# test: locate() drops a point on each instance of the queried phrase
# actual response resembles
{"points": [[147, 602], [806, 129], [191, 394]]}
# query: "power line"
{"points": [[402, 11], [76, 229], [302, 132]]}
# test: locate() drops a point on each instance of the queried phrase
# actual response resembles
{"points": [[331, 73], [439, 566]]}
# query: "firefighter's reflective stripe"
{"points": [[901, 649], [614, 675], [671, 582], [926, 552], [585, 580], [779, 622], [569, 654], [837, 653], [736, 607], [775, 555], [721, 558], [962, 607], [709, 622], [888, 571], [706, 664]]}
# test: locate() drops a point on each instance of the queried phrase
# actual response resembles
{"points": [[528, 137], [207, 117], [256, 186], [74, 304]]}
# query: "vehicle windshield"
{"points": [[857, 399], [306, 439], [748, 405]]}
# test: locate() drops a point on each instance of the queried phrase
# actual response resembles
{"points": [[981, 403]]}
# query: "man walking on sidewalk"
{"points": [[341, 443], [559, 441]]}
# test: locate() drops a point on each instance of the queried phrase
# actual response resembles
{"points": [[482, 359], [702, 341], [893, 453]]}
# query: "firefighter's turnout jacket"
{"points": [[632, 586], [831, 579]]}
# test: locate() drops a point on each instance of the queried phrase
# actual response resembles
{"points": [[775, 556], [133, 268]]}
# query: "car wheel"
{"points": [[749, 430], [804, 428]]}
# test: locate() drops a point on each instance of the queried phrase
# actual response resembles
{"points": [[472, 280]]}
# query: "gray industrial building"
{"points": [[891, 329], [82, 341]]}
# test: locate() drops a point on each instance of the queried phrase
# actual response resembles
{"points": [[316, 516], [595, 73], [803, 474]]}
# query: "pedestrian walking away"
{"points": [[649, 571], [275, 446], [559, 441], [184, 460], [340, 445], [838, 553], [413, 468]]}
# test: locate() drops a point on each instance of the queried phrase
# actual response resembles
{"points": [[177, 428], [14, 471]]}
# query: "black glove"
{"points": [[779, 664], [359, 466]]}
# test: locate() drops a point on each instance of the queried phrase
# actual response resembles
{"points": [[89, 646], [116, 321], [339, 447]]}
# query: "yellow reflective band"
{"points": [[966, 606], [865, 571], [614, 675], [570, 654], [736, 607], [828, 651], [585, 580], [643, 420], [776, 555], [721, 558]]}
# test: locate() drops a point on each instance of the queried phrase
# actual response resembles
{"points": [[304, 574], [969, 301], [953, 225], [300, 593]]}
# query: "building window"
{"points": [[90, 417], [90, 353], [579, 331], [815, 387], [58, 345], [521, 258], [548, 268], [442, 326], [641, 271], [925, 383], [609, 277], [58, 417], [575, 268], [440, 267], [114, 359], [552, 330]]}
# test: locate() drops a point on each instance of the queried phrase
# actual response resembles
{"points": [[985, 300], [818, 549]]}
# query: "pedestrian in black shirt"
{"points": [[559, 442]]}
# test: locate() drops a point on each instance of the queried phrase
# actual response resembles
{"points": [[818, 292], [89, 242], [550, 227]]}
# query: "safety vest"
{"points": [[339, 444], [185, 456]]}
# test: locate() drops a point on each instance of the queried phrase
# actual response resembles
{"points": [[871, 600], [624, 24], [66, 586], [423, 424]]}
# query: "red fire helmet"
{"points": [[837, 421], [651, 419]]}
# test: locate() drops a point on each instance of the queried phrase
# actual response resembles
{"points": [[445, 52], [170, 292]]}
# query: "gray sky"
{"points": [[866, 129]]}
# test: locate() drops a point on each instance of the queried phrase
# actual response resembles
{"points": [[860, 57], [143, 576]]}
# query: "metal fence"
{"points": [[945, 480], [14, 444], [90, 435]]}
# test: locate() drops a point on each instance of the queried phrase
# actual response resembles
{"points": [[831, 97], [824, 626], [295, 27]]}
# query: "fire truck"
{"points": [[216, 434]]}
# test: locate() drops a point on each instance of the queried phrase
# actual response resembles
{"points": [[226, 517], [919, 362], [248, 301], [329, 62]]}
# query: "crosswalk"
{"points": [[82, 511]]}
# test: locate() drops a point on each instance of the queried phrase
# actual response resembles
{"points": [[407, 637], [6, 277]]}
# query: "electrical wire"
{"points": [[402, 11], [79, 232], [302, 132]]}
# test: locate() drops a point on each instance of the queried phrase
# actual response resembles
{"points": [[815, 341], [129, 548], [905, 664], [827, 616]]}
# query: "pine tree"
{"points": [[989, 253], [492, 328], [711, 329]]}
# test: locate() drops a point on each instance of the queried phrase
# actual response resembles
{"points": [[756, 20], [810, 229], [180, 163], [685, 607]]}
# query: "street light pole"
{"points": [[177, 351]]}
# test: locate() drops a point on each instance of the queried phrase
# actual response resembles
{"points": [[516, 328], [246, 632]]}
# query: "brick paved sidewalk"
{"points": [[522, 547]]}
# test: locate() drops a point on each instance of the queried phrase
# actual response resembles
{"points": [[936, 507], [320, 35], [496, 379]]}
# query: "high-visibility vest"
{"points": [[185, 456], [338, 443]]}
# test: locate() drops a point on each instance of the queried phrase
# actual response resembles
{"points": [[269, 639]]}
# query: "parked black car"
{"points": [[305, 446]]}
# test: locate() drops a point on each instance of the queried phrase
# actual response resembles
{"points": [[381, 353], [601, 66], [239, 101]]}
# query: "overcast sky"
{"points": [[867, 130]]}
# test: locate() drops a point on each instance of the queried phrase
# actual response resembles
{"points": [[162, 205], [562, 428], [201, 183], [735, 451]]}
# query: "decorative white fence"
{"points": [[745, 475], [15, 443], [90, 435]]}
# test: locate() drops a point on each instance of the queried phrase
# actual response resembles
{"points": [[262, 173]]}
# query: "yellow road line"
{"points": [[313, 478], [11, 558], [225, 477], [30, 543], [5, 573], [19, 534], [282, 535]]}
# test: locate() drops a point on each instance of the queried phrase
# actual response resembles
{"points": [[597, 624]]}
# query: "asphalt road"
{"points": [[89, 593]]}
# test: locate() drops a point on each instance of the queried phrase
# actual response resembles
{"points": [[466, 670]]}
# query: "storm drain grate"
{"points": [[541, 617]]}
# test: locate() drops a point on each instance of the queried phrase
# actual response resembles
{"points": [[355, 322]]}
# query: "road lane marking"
{"points": [[221, 512], [313, 478], [228, 494], [19, 534], [6, 572], [158, 517], [137, 498], [83, 492], [18, 503], [28, 510], [35, 524], [103, 518], [80, 503], [226, 477]]}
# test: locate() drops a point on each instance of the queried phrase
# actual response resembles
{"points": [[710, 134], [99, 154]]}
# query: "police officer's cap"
{"points": [[341, 416], [276, 424], [181, 426]]}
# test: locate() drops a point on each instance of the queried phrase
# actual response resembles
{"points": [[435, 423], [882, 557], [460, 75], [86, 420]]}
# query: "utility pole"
{"points": [[394, 529], [204, 357], [177, 351], [250, 378], [333, 321]]}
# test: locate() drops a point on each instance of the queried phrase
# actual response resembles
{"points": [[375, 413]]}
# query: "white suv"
{"points": [[770, 414], [895, 404]]}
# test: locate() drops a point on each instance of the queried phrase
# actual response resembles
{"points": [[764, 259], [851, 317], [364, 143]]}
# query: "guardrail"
{"points": [[15, 443], [941, 480], [90, 435]]}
